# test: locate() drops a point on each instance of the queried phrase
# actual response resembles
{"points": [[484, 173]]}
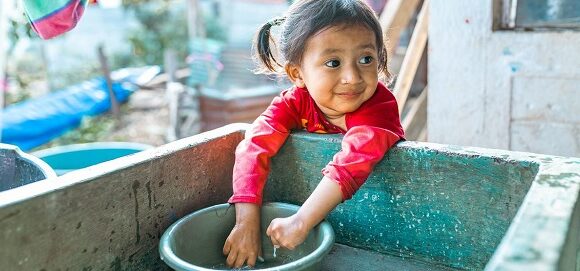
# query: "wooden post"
{"points": [[183, 103], [3, 47], [196, 29], [107, 74], [416, 118], [394, 18], [173, 89], [412, 57], [195, 24]]}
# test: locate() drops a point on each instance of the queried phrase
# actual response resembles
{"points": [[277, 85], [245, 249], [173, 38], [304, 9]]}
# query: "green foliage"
{"points": [[18, 30], [16, 97], [24, 73], [163, 25], [159, 29]]}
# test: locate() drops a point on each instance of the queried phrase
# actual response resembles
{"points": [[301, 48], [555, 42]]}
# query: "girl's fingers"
{"points": [[227, 248], [275, 242], [240, 261], [231, 260], [251, 260], [269, 230]]}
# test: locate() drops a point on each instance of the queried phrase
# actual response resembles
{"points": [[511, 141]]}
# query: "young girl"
{"points": [[333, 52]]}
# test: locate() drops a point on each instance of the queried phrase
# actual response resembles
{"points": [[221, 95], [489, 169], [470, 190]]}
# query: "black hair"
{"points": [[305, 18]]}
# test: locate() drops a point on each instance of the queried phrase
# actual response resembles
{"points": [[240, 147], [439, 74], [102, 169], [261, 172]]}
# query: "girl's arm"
{"points": [[291, 231], [252, 164], [362, 148], [262, 141], [251, 169], [243, 244]]}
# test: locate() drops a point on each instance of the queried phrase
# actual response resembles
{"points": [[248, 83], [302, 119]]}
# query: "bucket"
{"points": [[64, 159], [195, 242], [18, 168]]}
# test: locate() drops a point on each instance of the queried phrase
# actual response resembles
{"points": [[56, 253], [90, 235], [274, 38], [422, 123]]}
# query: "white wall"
{"points": [[504, 89]]}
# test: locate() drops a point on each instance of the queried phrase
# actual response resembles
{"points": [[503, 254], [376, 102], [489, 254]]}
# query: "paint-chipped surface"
{"points": [[545, 234], [450, 207], [446, 205]]}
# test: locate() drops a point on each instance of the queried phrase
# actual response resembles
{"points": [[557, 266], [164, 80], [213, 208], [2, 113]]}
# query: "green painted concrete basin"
{"points": [[425, 207], [195, 242], [463, 208]]}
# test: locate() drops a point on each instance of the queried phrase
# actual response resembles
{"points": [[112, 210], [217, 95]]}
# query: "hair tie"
{"points": [[276, 21]]}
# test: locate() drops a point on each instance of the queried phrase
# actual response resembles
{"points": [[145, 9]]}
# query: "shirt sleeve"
{"points": [[262, 141], [372, 130], [362, 148]]}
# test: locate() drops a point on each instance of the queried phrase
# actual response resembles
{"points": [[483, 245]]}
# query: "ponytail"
{"points": [[263, 50]]}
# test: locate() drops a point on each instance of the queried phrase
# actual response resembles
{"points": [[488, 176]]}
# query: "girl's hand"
{"points": [[291, 231], [243, 245], [288, 232]]}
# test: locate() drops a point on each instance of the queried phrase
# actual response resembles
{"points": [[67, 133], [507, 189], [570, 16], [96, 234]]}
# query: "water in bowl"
{"points": [[267, 263]]}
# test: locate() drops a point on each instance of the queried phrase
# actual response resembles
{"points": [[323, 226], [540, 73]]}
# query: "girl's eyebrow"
{"points": [[329, 51], [367, 46]]}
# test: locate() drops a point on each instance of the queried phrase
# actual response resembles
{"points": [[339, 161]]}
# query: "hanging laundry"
{"points": [[52, 18]]}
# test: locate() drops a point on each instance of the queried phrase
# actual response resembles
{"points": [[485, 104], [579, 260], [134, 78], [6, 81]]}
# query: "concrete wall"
{"points": [[501, 89]]}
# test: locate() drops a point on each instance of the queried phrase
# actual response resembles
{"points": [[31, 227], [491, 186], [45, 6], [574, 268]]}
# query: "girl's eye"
{"points": [[366, 60], [332, 63]]}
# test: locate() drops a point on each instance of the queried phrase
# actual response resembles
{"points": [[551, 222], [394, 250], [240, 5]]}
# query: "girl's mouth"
{"points": [[349, 94]]}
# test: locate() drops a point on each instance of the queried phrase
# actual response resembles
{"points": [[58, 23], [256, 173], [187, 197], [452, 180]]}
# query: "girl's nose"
{"points": [[351, 75]]}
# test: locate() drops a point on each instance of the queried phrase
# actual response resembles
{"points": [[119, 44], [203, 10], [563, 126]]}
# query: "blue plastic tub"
{"points": [[64, 159]]}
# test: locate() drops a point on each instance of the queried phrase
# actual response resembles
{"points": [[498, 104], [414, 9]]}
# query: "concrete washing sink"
{"points": [[425, 207]]}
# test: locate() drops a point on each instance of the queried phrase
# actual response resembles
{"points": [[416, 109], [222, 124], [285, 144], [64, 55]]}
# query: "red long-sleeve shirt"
{"points": [[371, 131]]}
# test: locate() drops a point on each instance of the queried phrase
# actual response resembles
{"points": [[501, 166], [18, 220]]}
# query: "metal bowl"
{"points": [[195, 242]]}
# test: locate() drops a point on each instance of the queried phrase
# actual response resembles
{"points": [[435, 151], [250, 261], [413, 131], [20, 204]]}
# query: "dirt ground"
{"points": [[145, 119]]}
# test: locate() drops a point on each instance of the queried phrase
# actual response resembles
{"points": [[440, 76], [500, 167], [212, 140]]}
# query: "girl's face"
{"points": [[339, 68]]}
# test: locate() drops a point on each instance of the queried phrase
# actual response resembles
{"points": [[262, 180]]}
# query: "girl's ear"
{"points": [[295, 75]]}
